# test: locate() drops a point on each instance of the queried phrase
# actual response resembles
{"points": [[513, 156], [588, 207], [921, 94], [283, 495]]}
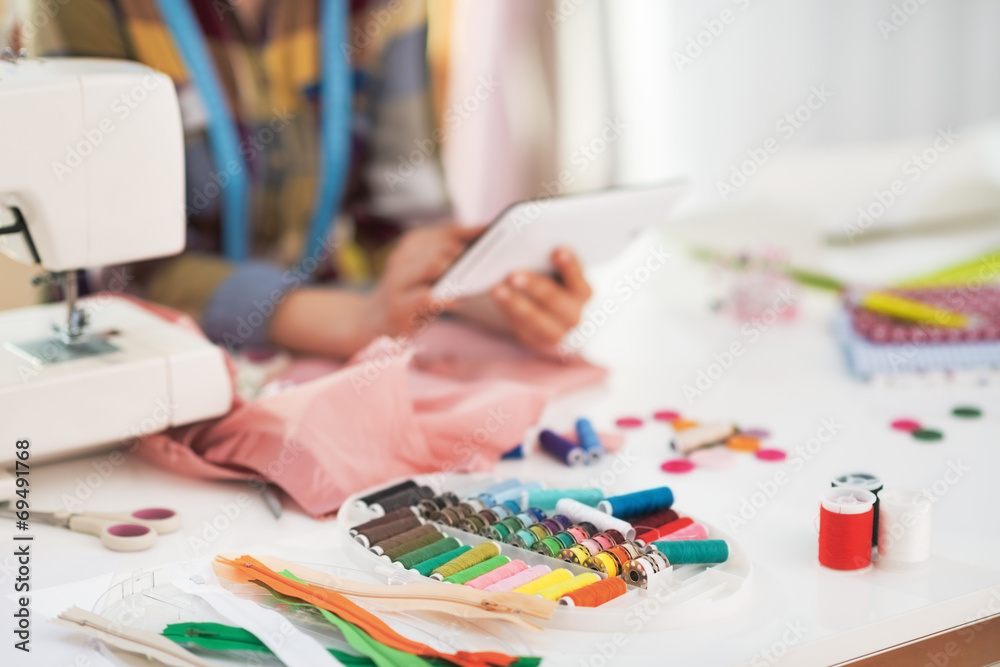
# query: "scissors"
{"points": [[119, 531]]}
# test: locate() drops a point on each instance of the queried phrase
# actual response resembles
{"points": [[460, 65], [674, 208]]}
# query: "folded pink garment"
{"points": [[391, 411]]}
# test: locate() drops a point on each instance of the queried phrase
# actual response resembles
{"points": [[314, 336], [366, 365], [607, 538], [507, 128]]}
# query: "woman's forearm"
{"points": [[325, 321]]}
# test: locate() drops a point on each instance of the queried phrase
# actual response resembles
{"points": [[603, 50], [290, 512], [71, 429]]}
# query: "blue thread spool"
{"points": [[640, 502], [682, 552], [561, 448], [587, 437], [486, 495], [516, 453]]}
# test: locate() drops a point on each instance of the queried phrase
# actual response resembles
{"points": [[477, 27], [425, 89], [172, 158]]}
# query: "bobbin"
{"points": [[641, 571], [428, 506]]}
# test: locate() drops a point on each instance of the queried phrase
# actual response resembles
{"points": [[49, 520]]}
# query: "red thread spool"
{"points": [[596, 593], [658, 533], [845, 528]]}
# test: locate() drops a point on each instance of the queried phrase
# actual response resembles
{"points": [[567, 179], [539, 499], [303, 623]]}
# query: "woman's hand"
{"points": [[402, 299], [540, 310]]}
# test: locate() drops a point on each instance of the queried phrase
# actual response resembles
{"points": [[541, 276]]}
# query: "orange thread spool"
{"points": [[595, 594]]}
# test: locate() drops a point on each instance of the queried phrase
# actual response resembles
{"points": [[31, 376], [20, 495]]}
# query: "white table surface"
{"points": [[789, 381]]}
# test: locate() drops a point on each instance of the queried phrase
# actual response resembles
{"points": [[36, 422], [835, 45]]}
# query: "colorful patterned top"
{"points": [[269, 68]]}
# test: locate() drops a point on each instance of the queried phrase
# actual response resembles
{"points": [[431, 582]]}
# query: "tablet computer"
{"points": [[595, 225]]}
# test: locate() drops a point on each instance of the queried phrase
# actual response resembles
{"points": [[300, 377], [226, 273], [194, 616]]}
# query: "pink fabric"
{"points": [[457, 404]]}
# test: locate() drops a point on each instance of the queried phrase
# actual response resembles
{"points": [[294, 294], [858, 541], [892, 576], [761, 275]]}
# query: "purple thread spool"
{"points": [[561, 448]]}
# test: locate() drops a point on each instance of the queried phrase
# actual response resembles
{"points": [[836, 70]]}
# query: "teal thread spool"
{"points": [[425, 568], [682, 552], [547, 498], [638, 503], [430, 551], [471, 573]]}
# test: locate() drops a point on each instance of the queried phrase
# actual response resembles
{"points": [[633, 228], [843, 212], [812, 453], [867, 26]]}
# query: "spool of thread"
{"points": [[376, 534], [395, 553], [477, 570], [582, 531], [845, 524], [595, 594], [546, 499], [863, 480], [646, 522], [395, 515], [478, 554], [526, 537], [472, 524], [430, 551], [499, 574], [577, 554], [485, 495], [697, 437], [568, 452], [513, 495], [638, 503], [695, 531], [554, 577], [429, 506], [589, 440], [404, 498], [579, 512], [556, 591], [548, 546], [694, 551], [612, 561], [432, 564], [904, 540], [384, 545], [646, 569], [662, 532], [371, 498], [519, 579], [452, 516], [557, 523]]}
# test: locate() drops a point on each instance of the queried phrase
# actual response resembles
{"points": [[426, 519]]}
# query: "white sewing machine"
{"points": [[92, 175]]}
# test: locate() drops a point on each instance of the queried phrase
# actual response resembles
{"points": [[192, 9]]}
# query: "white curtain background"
{"points": [[617, 60]]}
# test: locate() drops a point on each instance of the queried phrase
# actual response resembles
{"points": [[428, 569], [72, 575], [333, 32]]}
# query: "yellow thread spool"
{"points": [[604, 562], [552, 578], [575, 554], [556, 591], [480, 553]]}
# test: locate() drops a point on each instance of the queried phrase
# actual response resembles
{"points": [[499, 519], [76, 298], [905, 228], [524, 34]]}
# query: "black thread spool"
{"points": [[371, 498], [868, 482]]}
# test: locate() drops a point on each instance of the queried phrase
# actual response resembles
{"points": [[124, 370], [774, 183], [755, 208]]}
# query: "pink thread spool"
{"points": [[519, 579], [499, 574]]}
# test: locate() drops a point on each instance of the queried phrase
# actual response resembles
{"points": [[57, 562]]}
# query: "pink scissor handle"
{"points": [[115, 536], [160, 519]]}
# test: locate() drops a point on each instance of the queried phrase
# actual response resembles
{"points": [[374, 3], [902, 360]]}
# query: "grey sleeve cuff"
{"points": [[239, 312]]}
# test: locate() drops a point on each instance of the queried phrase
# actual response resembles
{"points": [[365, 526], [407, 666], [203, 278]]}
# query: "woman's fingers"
{"points": [[549, 296], [532, 325]]}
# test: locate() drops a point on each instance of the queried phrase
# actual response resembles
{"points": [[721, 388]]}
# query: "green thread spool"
{"points": [[481, 552], [476, 570], [548, 546], [565, 539], [430, 551], [432, 564], [412, 545], [523, 539], [498, 531], [681, 552], [547, 498]]}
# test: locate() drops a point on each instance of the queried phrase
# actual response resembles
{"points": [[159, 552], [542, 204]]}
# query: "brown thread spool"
{"points": [[428, 506], [402, 538], [402, 499], [395, 515], [373, 536]]}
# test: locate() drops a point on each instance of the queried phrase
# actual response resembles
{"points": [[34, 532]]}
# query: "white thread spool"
{"points": [[904, 530], [579, 512]]}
